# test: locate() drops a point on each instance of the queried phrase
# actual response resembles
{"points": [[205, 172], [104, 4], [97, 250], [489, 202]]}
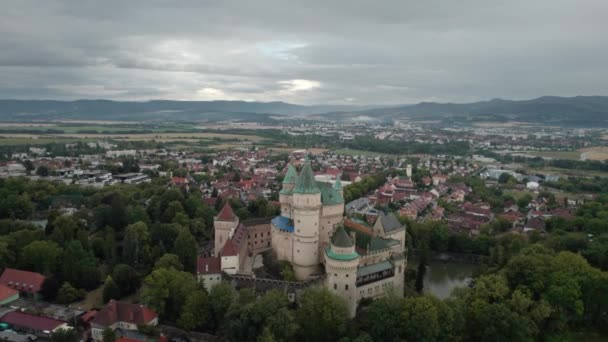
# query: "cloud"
{"points": [[402, 51]]}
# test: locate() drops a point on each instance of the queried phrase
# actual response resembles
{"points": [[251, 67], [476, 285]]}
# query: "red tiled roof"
{"points": [[23, 281], [124, 339], [226, 214], [117, 311], [89, 315], [38, 323], [7, 292], [233, 246], [208, 265]]}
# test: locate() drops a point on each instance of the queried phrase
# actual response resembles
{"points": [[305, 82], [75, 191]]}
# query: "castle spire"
{"points": [[291, 175], [306, 183]]}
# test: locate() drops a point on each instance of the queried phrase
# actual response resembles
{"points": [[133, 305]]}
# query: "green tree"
{"points": [[169, 260], [322, 315], [195, 311], [79, 267], [221, 297], [136, 249], [109, 335], [110, 290], [166, 291], [64, 335], [68, 294], [186, 249], [43, 171], [41, 256], [126, 278]]}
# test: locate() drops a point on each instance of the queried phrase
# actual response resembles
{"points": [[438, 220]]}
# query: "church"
{"points": [[354, 259]]}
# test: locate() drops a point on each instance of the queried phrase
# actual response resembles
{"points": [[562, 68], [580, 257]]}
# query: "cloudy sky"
{"points": [[308, 52]]}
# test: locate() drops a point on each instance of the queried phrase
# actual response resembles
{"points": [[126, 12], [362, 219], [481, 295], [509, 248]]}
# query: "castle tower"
{"points": [[285, 195], [224, 224], [341, 262], [408, 171], [306, 214]]}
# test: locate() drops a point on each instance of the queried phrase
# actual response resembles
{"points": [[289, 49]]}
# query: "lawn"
{"points": [[351, 152]]}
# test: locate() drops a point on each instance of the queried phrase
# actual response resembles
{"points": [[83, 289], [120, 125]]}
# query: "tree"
{"points": [[195, 311], [221, 297], [42, 171], [109, 335], [166, 291], [323, 316], [385, 322], [41, 256], [68, 294], [126, 278], [419, 319], [64, 335], [169, 260], [420, 273], [110, 290], [185, 248], [79, 267], [50, 288], [136, 249]]}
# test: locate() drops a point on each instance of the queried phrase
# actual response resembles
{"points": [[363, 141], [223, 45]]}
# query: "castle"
{"points": [[311, 234]]}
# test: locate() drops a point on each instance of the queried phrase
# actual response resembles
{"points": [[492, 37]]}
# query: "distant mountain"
{"points": [[569, 111], [565, 111], [20, 110]]}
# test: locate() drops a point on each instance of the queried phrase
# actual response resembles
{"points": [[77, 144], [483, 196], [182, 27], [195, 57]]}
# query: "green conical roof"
{"points": [[305, 183], [338, 185], [291, 175], [341, 238]]}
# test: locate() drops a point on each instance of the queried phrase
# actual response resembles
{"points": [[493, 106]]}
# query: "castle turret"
{"points": [[306, 208], [224, 225], [285, 195], [341, 262], [338, 187]]}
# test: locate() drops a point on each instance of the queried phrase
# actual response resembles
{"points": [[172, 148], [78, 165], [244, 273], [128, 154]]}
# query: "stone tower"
{"points": [[341, 262], [285, 195], [224, 225], [306, 209]]}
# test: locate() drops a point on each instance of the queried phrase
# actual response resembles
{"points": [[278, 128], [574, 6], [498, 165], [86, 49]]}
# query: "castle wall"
{"points": [[259, 237], [341, 279], [307, 209], [282, 244]]}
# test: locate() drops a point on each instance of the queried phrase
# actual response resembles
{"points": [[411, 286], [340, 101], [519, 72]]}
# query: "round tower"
{"points": [[306, 209], [341, 262], [285, 195]]}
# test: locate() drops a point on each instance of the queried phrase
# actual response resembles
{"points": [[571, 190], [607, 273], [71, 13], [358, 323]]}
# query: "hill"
{"points": [[563, 111]]}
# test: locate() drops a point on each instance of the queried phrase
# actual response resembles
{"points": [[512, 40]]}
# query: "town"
{"points": [[93, 229]]}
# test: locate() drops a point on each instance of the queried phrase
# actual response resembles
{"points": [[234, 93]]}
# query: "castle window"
{"points": [[346, 275], [335, 274], [335, 286], [346, 287]]}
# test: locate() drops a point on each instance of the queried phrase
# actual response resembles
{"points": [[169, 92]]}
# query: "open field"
{"points": [[572, 155], [38, 141], [594, 153], [351, 152], [567, 172], [314, 151]]}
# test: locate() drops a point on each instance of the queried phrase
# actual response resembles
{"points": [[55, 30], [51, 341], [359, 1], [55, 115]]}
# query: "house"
{"points": [[7, 294], [118, 315], [41, 326], [27, 283], [209, 271]]}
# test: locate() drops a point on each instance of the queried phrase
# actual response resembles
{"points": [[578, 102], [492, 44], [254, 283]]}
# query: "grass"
{"points": [[37, 141], [351, 152], [572, 155]]}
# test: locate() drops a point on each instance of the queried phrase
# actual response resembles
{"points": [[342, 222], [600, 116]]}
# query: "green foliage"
{"points": [[68, 294], [42, 257], [169, 261], [65, 335], [322, 315], [166, 291], [185, 248], [195, 313], [126, 279], [110, 290]]}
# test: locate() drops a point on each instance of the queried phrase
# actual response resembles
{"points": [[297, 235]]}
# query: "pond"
{"points": [[442, 277]]}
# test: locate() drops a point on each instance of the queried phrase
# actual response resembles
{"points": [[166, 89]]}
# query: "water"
{"points": [[442, 277]]}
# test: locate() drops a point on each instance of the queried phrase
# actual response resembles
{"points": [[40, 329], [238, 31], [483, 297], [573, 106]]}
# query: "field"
{"points": [[594, 153], [351, 152], [314, 151], [572, 155]]}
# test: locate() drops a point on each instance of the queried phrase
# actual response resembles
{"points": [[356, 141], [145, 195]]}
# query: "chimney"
{"points": [[207, 268]]}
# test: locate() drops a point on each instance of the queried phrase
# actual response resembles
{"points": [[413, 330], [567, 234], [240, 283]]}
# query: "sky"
{"points": [[307, 52]]}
